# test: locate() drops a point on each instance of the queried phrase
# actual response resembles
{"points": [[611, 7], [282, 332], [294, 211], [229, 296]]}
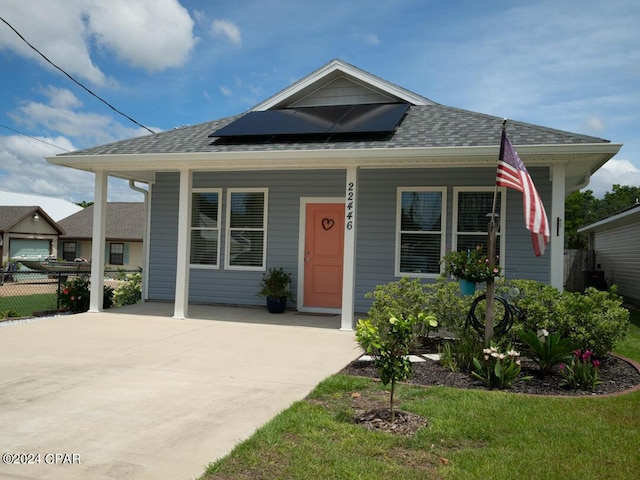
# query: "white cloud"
{"points": [[56, 28], [23, 169], [149, 34], [228, 30], [593, 125], [368, 38], [61, 114], [226, 91], [621, 172]]}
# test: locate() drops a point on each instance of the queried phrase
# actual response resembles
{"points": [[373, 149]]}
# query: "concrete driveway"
{"points": [[134, 394]]}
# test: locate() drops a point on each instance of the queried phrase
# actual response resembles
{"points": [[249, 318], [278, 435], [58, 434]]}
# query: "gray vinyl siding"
{"points": [[377, 193], [343, 92], [376, 223], [163, 237], [235, 286], [617, 256]]}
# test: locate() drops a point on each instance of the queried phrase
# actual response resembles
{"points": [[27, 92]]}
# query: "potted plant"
{"points": [[275, 286], [470, 267]]}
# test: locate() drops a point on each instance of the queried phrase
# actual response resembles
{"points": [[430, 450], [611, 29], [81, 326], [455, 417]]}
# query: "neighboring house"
{"points": [[27, 232], [124, 233], [57, 208], [613, 241], [345, 180]]}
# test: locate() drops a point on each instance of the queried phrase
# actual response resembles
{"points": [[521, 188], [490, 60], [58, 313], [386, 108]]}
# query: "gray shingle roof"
{"points": [[124, 222], [424, 126], [11, 215]]}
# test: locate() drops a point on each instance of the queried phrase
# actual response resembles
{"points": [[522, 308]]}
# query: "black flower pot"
{"points": [[276, 304]]}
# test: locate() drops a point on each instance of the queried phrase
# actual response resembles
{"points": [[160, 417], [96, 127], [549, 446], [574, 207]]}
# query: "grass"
{"points": [[471, 435], [25, 305]]}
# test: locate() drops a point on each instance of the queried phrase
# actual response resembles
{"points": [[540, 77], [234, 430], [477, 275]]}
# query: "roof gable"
{"points": [[10, 216], [337, 83]]}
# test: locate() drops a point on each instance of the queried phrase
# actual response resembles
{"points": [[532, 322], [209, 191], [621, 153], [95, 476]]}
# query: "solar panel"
{"points": [[334, 119]]}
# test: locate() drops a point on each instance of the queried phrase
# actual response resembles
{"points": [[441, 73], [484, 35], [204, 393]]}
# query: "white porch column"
{"points": [[349, 267], [556, 225], [98, 241], [181, 305]]}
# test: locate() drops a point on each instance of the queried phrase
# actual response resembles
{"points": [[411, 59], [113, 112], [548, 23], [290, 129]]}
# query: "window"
{"points": [[116, 253], [420, 229], [205, 227], [471, 215], [246, 236], [69, 251]]}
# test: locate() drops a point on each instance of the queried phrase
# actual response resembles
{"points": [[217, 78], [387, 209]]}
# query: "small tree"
{"points": [[388, 342]]}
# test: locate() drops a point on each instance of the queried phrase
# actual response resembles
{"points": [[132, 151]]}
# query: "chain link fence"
{"points": [[30, 293]]}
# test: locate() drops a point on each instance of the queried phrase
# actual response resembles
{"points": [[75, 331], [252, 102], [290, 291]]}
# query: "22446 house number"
{"points": [[350, 202]]}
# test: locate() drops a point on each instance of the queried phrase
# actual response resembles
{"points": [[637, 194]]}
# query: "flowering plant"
{"points": [[75, 293], [497, 369], [472, 265], [581, 372], [547, 350]]}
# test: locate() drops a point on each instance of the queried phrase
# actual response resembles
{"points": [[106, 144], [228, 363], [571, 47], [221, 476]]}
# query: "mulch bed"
{"points": [[616, 374]]}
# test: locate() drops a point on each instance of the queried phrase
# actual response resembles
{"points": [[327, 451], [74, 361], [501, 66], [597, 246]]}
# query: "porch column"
{"points": [[556, 225], [349, 267], [98, 241], [181, 305]]}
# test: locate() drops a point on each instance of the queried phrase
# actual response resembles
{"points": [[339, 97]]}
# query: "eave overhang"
{"points": [[581, 160]]}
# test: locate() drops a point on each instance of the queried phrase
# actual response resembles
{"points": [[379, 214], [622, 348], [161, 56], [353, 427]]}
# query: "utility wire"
{"points": [[74, 80], [33, 138]]}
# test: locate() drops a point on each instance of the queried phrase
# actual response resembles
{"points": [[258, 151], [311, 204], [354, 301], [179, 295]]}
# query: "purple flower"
{"points": [[596, 363], [562, 366], [586, 355]]}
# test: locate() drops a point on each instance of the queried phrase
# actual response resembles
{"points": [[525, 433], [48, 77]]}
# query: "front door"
{"points": [[323, 255]]}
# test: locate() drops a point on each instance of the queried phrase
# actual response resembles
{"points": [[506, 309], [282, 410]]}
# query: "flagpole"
{"points": [[492, 233]]}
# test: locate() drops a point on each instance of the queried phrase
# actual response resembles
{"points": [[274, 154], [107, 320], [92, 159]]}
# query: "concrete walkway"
{"points": [[134, 394]]}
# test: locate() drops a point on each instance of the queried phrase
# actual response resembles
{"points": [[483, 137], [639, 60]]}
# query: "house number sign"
{"points": [[350, 209]]}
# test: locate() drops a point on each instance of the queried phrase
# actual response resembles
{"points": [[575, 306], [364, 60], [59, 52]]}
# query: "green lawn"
{"points": [[25, 305], [471, 435]]}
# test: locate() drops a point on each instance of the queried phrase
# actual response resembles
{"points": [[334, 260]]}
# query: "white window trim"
{"points": [[227, 255], [218, 227], [443, 229], [502, 229]]}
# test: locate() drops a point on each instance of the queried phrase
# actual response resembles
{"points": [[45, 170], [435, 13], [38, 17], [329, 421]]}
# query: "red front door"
{"points": [[323, 255]]}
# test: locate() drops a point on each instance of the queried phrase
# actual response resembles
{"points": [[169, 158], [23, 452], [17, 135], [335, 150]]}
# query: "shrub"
{"points": [[443, 300], [107, 299], [74, 295], [593, 321], [8, 314], [536, 300], [129, 291]]}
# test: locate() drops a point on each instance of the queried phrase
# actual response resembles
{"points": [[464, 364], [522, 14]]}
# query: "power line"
{"points": [[33, 138], [74, 80]]}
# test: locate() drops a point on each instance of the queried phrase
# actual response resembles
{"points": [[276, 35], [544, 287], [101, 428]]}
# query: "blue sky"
{"points": [[572, 65]]}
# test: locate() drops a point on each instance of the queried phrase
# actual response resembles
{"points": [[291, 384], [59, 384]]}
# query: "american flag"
{"points": [[513, 174]]}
